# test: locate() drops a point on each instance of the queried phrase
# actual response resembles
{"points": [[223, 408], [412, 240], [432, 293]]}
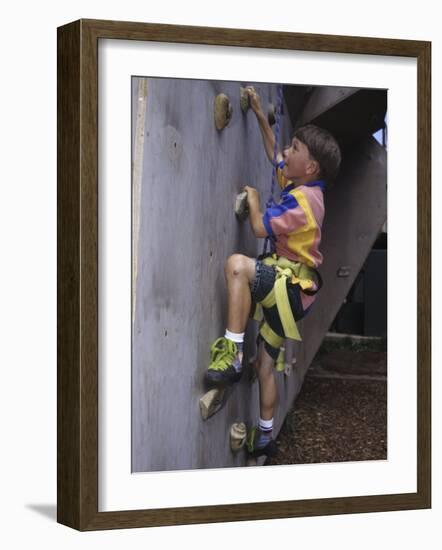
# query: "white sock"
{"points": [[265, 425], [237, 337]]}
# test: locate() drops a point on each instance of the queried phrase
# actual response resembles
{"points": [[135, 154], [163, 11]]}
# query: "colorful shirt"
{"points": [[295, 224]]}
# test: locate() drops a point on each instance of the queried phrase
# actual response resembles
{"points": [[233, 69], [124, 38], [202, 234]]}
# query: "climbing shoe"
{"points": [[259, 445], [221, 371]]}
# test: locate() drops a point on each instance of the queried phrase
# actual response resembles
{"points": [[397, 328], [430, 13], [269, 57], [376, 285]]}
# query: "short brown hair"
{"points": [[323, 148]]}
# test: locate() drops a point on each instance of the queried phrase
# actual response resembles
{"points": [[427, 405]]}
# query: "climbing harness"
{"points": [[270, 200], [287, 271]]}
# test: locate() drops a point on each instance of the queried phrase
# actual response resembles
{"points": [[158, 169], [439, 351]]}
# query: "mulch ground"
{"points": [[338, 419]]}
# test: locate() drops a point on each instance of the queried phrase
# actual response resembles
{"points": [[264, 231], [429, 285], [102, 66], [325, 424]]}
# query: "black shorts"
{"points": [[265, 276]]}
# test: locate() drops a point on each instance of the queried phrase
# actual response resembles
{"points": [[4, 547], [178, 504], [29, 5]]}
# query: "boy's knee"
{"points": [[236, 265]]}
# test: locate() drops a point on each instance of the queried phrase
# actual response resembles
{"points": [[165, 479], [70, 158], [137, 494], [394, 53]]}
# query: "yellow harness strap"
{"points": [[270, 336], [297, 273]]}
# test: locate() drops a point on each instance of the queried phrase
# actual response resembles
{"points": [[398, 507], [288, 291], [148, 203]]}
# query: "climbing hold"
{"points": [[244, 99], [211, 402], [289, 366], [271, 114], [241, 206], [223, 111], [238, 436], [344, 271]]}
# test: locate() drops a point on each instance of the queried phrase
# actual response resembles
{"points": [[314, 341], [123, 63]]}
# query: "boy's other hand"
{"points": [[252, 197], [255, 100], [255, 214]]}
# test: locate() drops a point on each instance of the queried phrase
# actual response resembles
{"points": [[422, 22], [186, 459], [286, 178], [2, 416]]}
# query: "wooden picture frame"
{"points": [[77, 314]]}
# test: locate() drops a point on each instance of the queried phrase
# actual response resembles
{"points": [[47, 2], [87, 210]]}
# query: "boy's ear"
{"points": [[313, 167]]}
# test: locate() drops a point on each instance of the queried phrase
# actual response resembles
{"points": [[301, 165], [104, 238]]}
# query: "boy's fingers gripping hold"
{"points": [[255, 101], [252, 196]]}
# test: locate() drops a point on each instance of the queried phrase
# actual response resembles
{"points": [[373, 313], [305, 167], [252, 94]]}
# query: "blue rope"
{"points": [[271, 200]]}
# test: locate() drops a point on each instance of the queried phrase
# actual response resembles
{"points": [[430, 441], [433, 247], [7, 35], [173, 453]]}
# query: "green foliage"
{"points": [[373, 344]]}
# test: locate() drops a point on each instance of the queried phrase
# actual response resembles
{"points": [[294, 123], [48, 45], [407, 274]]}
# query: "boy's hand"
{"points": [[266, 130], [252, 197], [255, 214], [255, 101]]}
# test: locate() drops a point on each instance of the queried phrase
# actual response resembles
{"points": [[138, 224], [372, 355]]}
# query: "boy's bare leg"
{"points": [[240, 273], [268, 391], [261, 440], [226, 369]]}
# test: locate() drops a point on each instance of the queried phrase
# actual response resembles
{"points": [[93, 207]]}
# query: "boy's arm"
{"points": [[268, 136], [255, 214]]}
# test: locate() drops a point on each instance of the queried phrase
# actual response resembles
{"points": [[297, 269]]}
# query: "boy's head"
{"points": [[314, 153]]}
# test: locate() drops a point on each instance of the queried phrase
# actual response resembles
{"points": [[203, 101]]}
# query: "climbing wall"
{"points": [[184, 228], [186, 177]]}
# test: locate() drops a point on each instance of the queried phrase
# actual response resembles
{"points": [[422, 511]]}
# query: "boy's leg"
{"points": [[240, 274], [227, 352], [260, 441], [268, 391]]}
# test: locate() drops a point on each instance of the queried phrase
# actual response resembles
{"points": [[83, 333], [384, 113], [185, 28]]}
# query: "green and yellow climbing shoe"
{"points": [[221, 371], [258, 444]]}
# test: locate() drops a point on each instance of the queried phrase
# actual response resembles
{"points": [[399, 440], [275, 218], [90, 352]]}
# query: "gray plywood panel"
{"points": [[191, 175]]}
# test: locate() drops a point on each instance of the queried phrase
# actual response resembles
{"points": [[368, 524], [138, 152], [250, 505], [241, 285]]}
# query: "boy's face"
{"points": [[297, 161]]}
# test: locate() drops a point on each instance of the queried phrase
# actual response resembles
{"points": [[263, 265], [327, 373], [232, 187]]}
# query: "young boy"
{"points": [[285, 283]]}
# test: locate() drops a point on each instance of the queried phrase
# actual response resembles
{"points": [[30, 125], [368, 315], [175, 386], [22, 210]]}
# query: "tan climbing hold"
{"points": [[211, 402], [223, 111], [238, 435], [241, 206], [244, 99], [290, 366]]}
